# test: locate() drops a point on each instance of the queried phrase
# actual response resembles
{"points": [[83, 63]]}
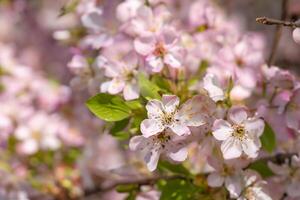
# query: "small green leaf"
{"points": [[178, 189], [162, 83], [268, 139], [108, 107], [262, 168], [127, 187], [134, 105], [148, 89]]}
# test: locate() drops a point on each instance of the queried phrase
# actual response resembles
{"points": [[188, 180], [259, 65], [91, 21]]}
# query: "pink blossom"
{"points": [[167, 114], [296, 35], [212, 85], [165, 142], [239, 135]]}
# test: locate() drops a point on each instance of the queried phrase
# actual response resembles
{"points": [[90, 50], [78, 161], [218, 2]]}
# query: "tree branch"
{"points": [[278, 32], [139, 182], [270, 21]]}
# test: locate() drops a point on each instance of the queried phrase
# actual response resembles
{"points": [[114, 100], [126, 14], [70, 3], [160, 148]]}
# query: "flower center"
{"points": [[163, 138], [249, 194], [239, 131], [239, 62], [167, 118], [160, 50]]}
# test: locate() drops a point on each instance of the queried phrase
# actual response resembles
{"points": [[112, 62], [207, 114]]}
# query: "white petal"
{"points": [[211, 84], [136, 142], [131, 92], [93, 19], [29, 146], [250, 148], [180, 129], [231, 148], [180, 155], [155, 63], [237, 114], [151, 127], [222, 129], [296, 35], [170, 60], [254, 127], [116, 86], [234, 185], [215, 180], [293, 189], [152, 158], [155, 109], [144, 45], [170, 103]]}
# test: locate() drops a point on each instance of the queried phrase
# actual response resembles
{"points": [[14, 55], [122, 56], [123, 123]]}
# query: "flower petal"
{"points": [[179, 155], [231, 148], [180, 129], [154, 108], [254, 127], [170, 102], [116, 86], [152, 157], [237, 114], [151, 127], [211, 84], [172, 61], [222, 130], [234, 185], [215, 180], [136, 143], [155, 63], [144, 45], [250, 147], [131, 92]]}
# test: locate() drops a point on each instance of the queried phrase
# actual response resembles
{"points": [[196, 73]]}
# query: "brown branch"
{"points": [[139, 182], [270, 21], [278, 32]]}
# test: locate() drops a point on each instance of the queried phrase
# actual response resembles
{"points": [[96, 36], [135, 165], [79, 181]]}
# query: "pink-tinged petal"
{"points": [[292, 120], [145, 14], [131, 61], [93, 19], [180, 129], [237, 114], [144, 45], [231, 148], [234, 185], [179, 155], [222, 130], [195, 119], [170, 102], [296, 35], [281, 100], [215, 180], [23, 133], [154, 108], [172, 61], [239, 93], [113, 69], [151, 127], [211, 84], [250, 147], [152, 158], [116, 86], [155, 63], [169, 37], [254, 127], [104, 86], [131, 92], [136, 143]]}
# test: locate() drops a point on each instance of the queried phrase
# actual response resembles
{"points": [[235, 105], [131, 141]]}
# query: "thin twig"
{"points": [[139, 182], [270, 21], [278, 32]]}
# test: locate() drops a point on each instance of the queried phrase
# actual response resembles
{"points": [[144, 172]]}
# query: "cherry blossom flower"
{"points": [[167, 114], [239, 135], [289, 175], [39, 132], [165, 142], [123, 74], [247, 186]]}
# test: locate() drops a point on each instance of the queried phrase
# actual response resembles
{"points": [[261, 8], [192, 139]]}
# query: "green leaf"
{"points": [[162, 83], [262, 168], [178, 189], [119, 126], [134, 105], [108, 107], [127, 188], [69, 7], [268, 139], [148, 89], [174, 168]]}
